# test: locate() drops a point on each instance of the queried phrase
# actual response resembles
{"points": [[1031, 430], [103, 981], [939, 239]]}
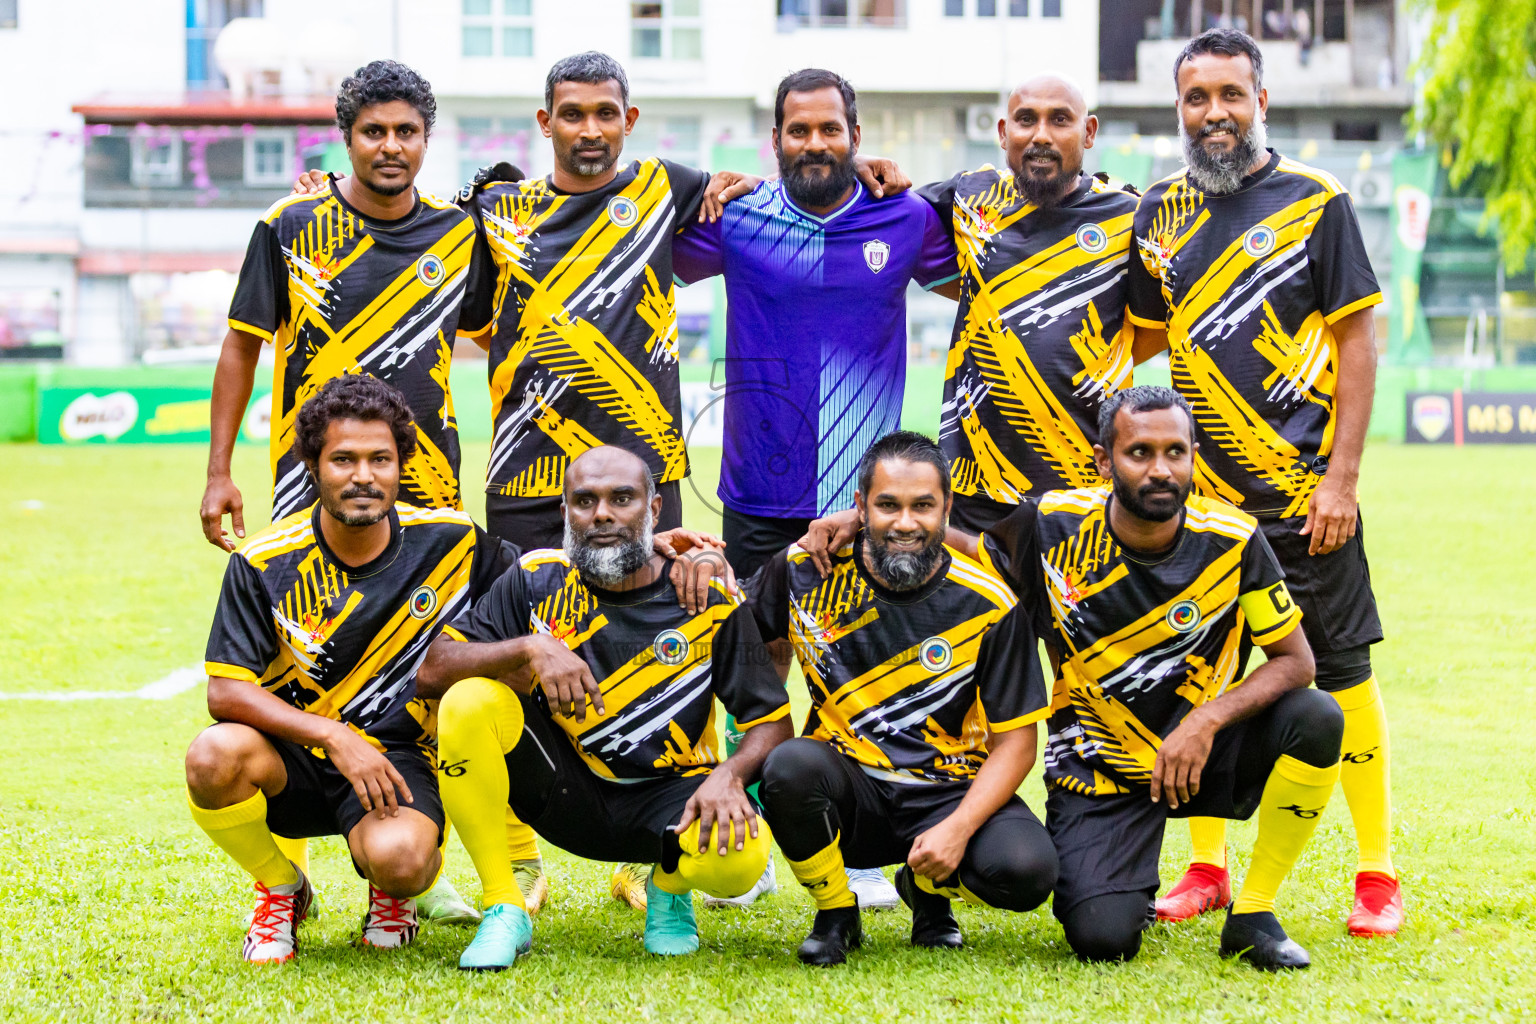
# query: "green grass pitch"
{"points": [[114, 907]]}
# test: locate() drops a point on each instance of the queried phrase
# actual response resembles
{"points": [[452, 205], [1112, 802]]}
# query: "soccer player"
{"points": [[1146, 595], [1040, 337], [367, 275], [321, 622], [925, 693], [1253, 274], [816, 270], [579, 693]]}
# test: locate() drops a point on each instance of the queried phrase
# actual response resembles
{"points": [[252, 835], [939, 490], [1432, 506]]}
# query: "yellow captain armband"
{"points": [[1270, 612]]}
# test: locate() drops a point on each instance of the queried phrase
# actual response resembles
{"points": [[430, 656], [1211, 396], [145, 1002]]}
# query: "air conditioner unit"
{"points": [[981, 122], [1371, 188]]}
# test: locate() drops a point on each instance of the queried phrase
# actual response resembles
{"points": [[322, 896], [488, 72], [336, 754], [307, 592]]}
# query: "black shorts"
{"points": [[1333, 591], [319, 801], [1110, 844], [533, 523], [888, 815], [752, 540], [560, 798], [976, 514]]}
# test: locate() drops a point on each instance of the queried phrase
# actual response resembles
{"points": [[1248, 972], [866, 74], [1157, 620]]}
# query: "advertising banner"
{"points": [[135, 415], [1471, 417], [1413, 183]]}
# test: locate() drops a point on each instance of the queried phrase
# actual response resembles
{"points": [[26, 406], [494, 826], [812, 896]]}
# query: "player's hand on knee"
{"points": [[937, 853], [826, 535], [309, 183], [220, 498], [1180, 761], [378, 785], [721, 801], [1333, 515], [566, 680]]}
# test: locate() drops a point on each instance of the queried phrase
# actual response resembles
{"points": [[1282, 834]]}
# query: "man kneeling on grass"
{"points": [[581, 695], [328, 612]]}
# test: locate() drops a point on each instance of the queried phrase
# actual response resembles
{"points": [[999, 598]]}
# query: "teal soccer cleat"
{"points": [[670, 928], [505, 933]]}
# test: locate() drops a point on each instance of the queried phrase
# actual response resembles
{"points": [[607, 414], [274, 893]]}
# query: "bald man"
{"points": [[1040, 338], [579, 693]]}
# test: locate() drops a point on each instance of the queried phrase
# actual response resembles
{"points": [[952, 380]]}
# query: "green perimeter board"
{"points": [[24, 390]]}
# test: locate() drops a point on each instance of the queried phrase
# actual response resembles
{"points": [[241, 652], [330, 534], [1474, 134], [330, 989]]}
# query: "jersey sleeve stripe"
{"points": [[1374, 299], [1020, 722], [242, 326], [781, 713], [223, 671], [940, 282], [453, 634], [1141, 321]]}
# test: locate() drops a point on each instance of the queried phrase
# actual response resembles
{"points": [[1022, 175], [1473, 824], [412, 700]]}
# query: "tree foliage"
{"points": [[1479, 103]]}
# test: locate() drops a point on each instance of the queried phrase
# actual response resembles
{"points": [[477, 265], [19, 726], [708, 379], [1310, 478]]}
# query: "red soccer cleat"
{"points": [[1378, 906], [1204, 887], [273, 935]]}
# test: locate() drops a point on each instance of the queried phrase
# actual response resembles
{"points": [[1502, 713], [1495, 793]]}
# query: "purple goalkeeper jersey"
{"points": [[815, 337]]}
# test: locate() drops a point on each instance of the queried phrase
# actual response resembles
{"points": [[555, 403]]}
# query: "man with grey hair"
{"points": [[1253, 274]]}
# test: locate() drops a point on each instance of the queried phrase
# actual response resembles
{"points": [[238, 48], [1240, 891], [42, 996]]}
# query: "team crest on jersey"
{"points": [[622, 211], [876, 255], [1092, 239], [423, 602], [1259, 241], [429, 270], [671, 647], [935, 654], [1184, 616]]}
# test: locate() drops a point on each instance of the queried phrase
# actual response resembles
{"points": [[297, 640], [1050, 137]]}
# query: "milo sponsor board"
{"points": [[138, 415], [1471, 417]]}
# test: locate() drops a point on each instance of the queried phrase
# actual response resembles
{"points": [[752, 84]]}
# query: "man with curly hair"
{"points": [[321, 622], [367, 276]]}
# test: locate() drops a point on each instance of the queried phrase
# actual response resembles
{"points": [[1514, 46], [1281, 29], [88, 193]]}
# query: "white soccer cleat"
{"points": [[764, 886], [273, 934], [390, 923], [874, 890]]}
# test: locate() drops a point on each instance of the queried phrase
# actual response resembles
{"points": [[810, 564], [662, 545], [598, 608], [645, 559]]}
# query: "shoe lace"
{"points": [[274, 913], [386, 913]]}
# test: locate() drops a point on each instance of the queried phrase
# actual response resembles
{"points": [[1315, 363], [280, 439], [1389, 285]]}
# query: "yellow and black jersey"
{"points": [[337, 292], [576, 306], [906, 683], [1249, 286], [1040, 337], [1142, 641], [659, 666], [345, 641]]}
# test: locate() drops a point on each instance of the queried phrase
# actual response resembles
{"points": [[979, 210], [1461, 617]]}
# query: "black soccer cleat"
{"points": [[833, 934], [1259, 939], [933, 922]]}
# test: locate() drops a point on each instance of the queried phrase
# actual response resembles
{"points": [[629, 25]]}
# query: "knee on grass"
{"points": [[1107, 929], [218, 763]]}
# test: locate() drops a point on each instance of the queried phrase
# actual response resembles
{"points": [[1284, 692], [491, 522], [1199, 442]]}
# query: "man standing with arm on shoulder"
{"points": [[1254, 267], [368, 275], [1040, 338]]}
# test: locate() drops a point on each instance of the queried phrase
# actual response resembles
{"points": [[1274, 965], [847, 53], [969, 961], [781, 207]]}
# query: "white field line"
{"points": [[179, 681]]}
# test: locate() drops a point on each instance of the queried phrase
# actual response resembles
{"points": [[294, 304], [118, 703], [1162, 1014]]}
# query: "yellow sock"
{"points": [[958, 891], [478, 722], [241, 831], [722, 877], [1365, 774], [1293, 802], [824, 876], [1208, 841], [296, 850], [522, 844]]}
